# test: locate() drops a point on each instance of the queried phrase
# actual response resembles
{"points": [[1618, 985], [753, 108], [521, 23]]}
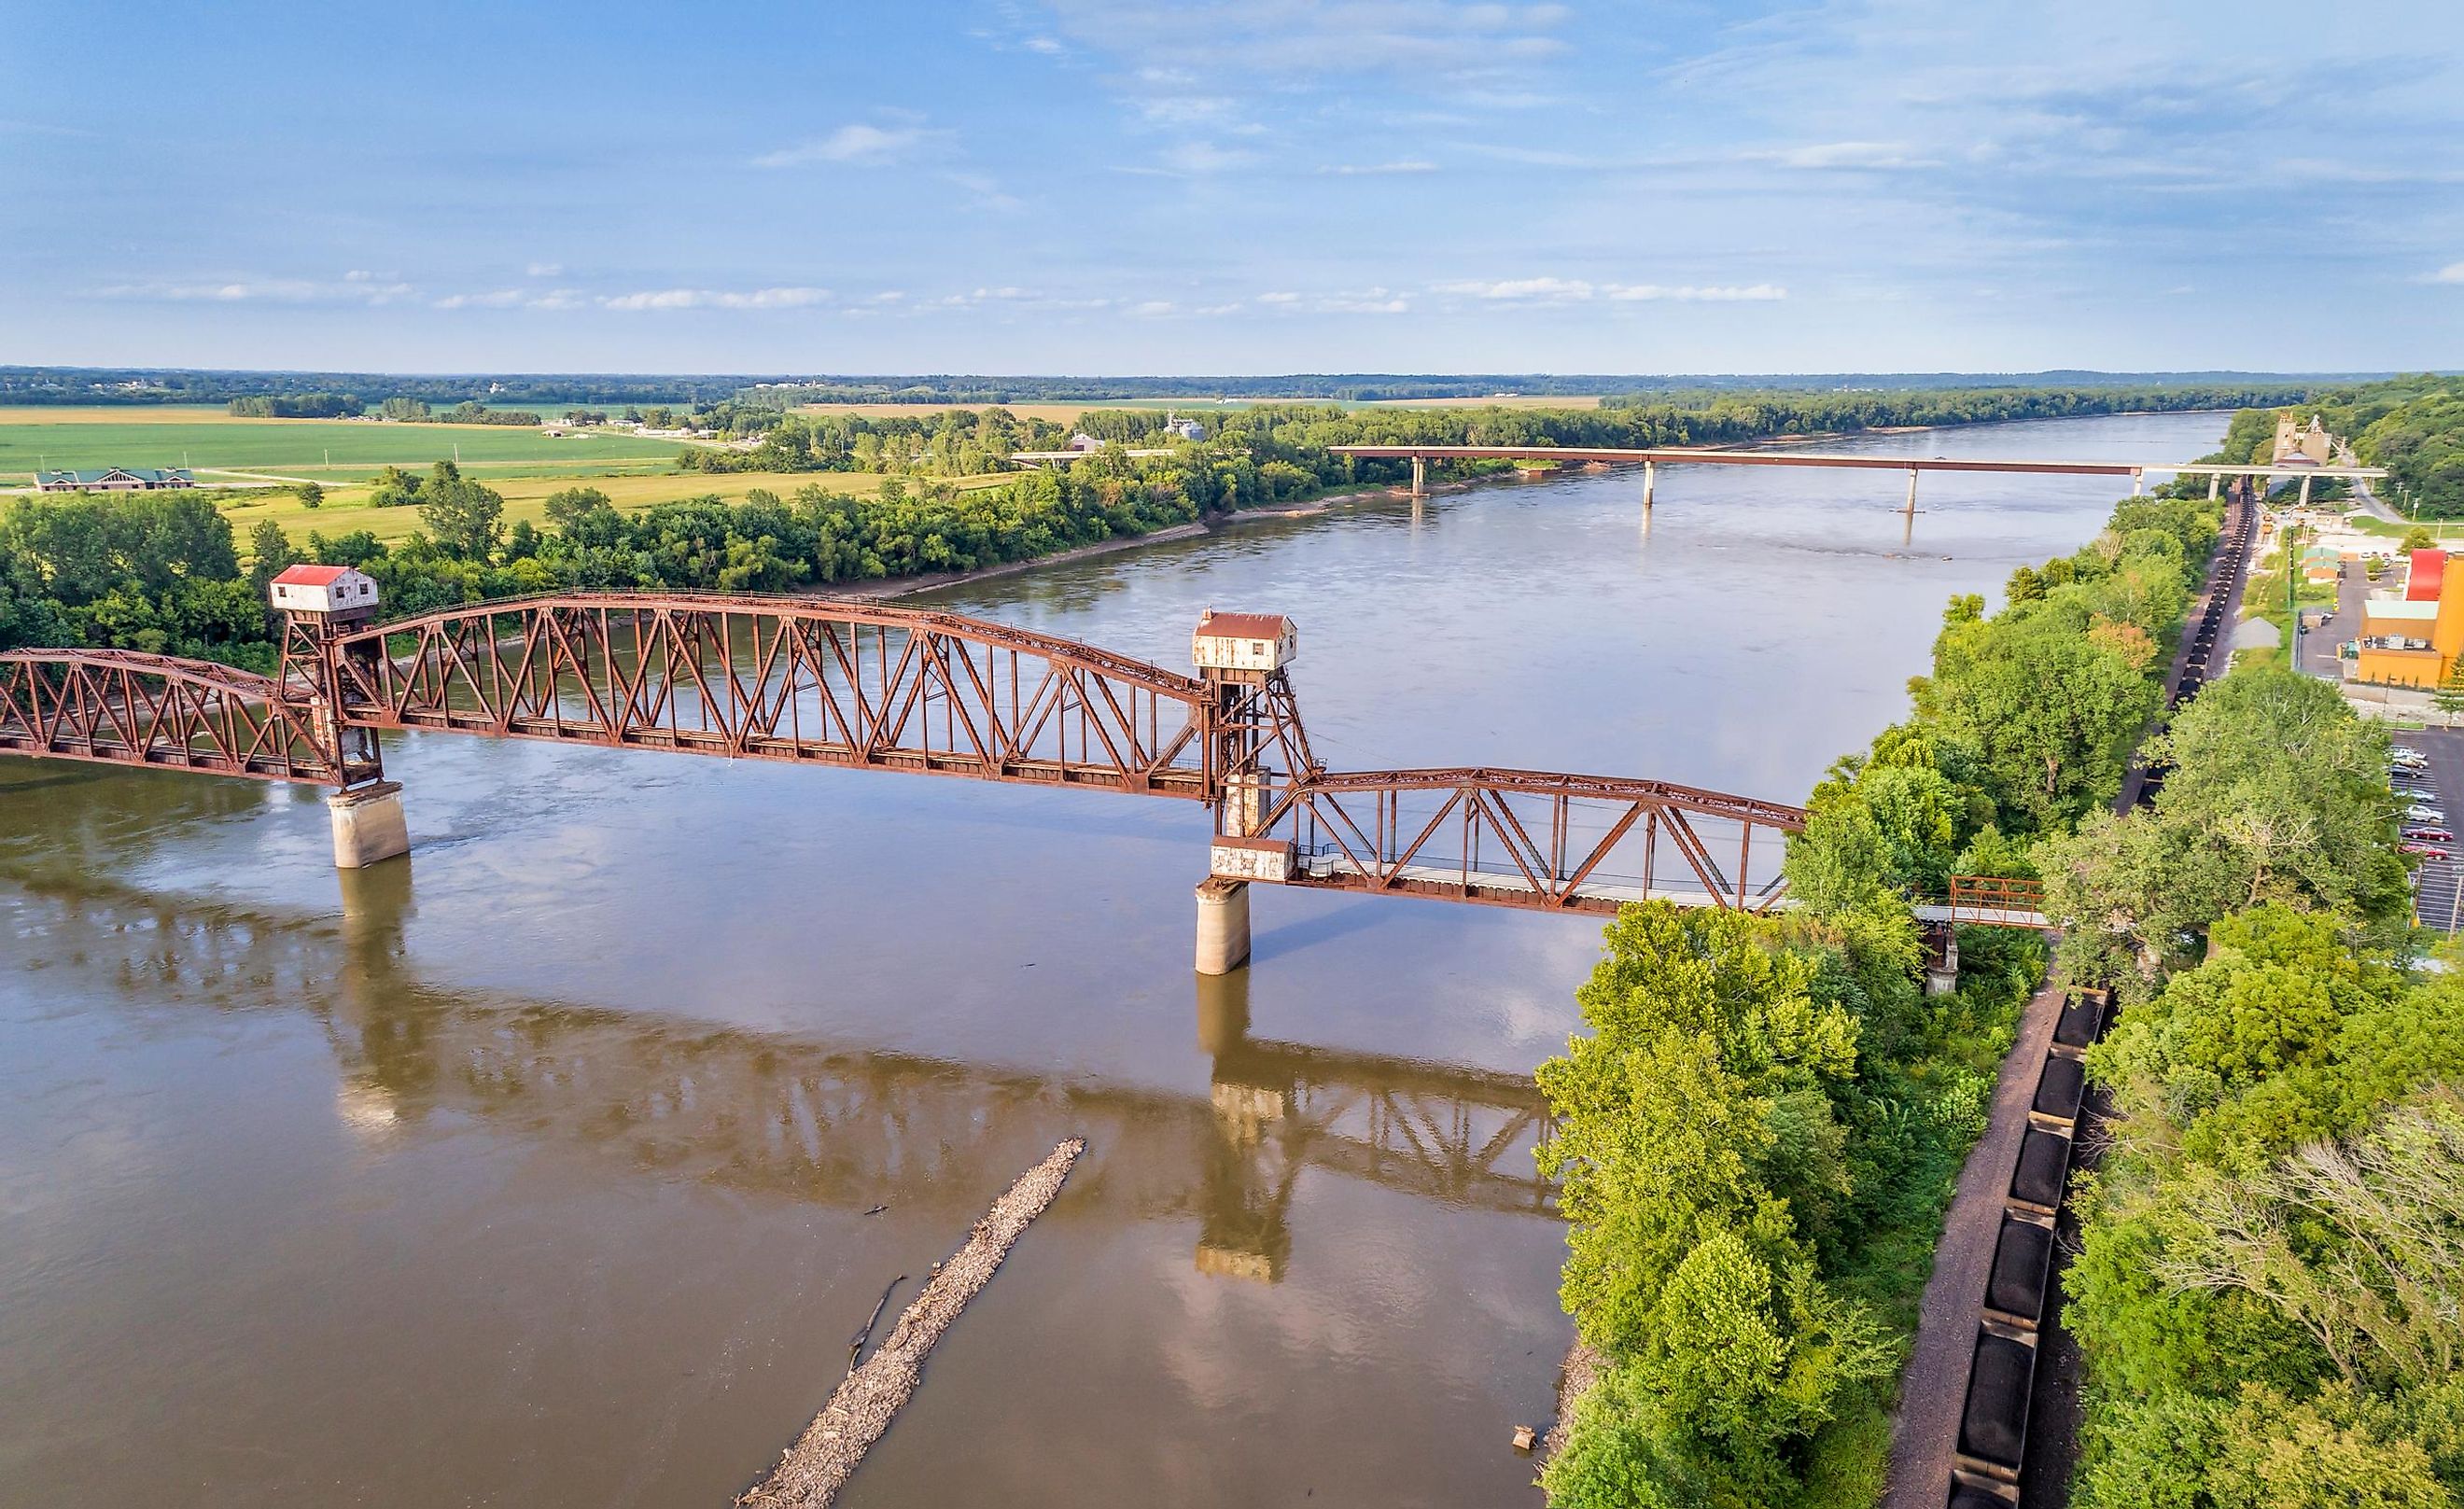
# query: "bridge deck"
{"points": [[1675, 454]]}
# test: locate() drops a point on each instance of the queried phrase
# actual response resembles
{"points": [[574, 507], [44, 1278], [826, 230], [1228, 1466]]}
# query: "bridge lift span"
{"points": [[868, 686]]}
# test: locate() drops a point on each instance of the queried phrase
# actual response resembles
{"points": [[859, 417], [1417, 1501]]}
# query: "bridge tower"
{"points": [[319, 605], [1255, 749]]}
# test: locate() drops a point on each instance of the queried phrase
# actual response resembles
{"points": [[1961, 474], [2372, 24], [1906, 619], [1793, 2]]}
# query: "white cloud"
{"points": [[1197, 159], [1376, 169], [1577, 291], [987, 191], [857, 144], [1352, 301], [1044, 44], [1860, 155], [496, 298], [1309, 37], [1712, 294], [718, 298], [545, 270], [1524, 289], [1151, 309], [2452, 273], [355, 287]]}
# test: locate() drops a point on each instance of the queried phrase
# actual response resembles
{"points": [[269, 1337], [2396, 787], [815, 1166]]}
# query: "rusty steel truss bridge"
{"points": [[868, 686]]}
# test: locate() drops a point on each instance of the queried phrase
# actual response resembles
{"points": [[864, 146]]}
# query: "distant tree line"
{"points": [[299, 405]]}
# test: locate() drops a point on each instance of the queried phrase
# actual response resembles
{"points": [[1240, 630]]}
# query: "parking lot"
{"points": [[2438, 885]]}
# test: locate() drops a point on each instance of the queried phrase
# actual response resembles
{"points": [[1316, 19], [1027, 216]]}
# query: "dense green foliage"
{"points": [[1759, 1138], [2268, 1288], [2414, 427], [1763, 1125], [2278, 793], [147, 570], [297, 405], [470, 412], [2272, 1257]]}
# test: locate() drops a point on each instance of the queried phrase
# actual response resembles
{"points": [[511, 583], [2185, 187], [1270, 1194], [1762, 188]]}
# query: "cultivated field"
{"points": [[208, 440], [346, 508]]}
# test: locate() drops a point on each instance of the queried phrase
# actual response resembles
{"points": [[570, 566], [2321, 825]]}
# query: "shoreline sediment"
{"points": [[811, 1472]]}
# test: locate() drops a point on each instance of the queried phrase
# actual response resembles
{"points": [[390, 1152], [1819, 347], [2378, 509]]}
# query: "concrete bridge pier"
{"points": [[1420, 478], [1223, 924], [1648, 478], [2138, 484], [368, 829], [2214, 479], [1909, 507], [1942, 965]]}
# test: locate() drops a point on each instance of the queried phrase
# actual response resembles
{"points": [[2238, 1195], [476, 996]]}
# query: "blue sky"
{"points": [[1250, 186]]}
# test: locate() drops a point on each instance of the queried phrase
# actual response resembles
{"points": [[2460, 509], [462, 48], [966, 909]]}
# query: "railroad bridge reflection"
{"points": [[776, 1115]]}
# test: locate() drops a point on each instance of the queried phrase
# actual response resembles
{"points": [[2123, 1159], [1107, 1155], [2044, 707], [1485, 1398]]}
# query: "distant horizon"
{"points": [[2049, 377]]}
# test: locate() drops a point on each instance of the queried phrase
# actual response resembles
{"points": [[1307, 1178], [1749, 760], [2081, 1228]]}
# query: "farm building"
{"points": [[324, 589], [113, 479]]}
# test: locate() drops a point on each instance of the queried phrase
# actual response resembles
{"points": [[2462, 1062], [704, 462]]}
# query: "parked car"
{"points": [[2431, 835], [2424, 850], [2417, 813]]}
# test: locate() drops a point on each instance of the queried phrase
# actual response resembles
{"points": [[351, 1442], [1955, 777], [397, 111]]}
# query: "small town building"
{"points": [[2297, 445], [2412, 631], [325, 589], [113, 479], [1083, 440]]}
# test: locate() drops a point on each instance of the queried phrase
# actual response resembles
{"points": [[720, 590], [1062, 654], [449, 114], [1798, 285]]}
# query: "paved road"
{"points": [[2319, 646]]}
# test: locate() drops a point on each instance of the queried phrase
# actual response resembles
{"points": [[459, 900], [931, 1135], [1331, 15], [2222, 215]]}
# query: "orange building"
{"points": [[2410, 637]]}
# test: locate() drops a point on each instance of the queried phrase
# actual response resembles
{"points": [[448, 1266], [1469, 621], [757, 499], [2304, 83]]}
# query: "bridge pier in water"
{"points": [[1223, 924], [368, 825]]}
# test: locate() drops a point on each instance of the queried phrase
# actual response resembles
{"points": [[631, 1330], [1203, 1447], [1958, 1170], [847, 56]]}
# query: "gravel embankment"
{"points": [[813, 1470]]}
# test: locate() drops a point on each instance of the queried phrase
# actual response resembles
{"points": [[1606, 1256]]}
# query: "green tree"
{"points": [[2449, 695], [311, 494], [270, 553], [465, 517]]}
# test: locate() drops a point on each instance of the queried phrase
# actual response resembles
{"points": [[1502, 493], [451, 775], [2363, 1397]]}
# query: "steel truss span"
{"points": [[868, 686], [117, 707], [1534, 840], [808, 680]]}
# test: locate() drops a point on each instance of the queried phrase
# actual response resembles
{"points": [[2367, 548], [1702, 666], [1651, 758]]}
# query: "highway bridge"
{"points": [[1651, 458]]}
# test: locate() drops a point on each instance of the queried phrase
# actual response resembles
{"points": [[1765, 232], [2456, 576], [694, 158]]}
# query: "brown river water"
{"points": [[537, 1170]]}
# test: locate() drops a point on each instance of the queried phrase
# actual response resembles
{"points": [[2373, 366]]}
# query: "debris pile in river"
{"points": [[820, 1463]]}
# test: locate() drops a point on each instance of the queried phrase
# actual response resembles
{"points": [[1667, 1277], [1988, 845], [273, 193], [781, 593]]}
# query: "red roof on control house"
{"points": [[2429, 573], [311, 576], [1242, 625]]}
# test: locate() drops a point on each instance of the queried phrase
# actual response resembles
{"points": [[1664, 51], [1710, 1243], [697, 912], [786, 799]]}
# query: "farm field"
{"points": [[207, 439], [346, 508]]}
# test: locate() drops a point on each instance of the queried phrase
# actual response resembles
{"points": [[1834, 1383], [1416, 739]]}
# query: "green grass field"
{"points": [[205, 439], [346, 509]]}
